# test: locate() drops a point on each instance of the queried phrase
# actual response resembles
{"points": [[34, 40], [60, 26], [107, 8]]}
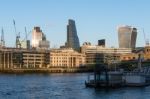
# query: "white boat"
{"points": [[133, 80]]}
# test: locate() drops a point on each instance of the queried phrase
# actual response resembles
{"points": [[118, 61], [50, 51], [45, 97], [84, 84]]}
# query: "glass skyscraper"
{"points": [[39, 39], [127, 36], [36, 37], [72, 37]]}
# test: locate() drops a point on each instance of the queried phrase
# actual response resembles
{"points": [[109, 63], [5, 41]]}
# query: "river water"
{"points": [[61, 86]]}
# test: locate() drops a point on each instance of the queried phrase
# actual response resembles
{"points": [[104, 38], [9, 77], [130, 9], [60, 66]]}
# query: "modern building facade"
{"points": [[25, 44], [35, 59], [72, 37], [127, 37], [101, 42], [101, 49], [10, 58], [22, 58], [39, 39], [99, 54], [36, 36], [6, 59]]}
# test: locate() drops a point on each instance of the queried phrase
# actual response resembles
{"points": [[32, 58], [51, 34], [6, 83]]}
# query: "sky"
{"points": [[95, 19]]}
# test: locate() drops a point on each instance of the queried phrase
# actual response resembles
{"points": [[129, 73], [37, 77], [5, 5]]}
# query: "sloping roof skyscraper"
{"points": [[72, 37]]}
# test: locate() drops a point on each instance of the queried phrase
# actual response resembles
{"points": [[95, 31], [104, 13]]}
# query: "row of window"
{"points": [[58, 61], [148, 50], [129, 58], [59, 65], [59, 58]]}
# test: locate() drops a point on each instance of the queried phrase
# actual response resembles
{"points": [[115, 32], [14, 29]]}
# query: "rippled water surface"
{"points": [[61, 86]]}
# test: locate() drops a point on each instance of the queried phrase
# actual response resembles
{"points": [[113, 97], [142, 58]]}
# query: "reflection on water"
{"points": [[61, 86]]}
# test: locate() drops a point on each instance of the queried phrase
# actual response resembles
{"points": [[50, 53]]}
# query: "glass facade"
{"points": [[72, 37], [127, 37], [36, 37]]}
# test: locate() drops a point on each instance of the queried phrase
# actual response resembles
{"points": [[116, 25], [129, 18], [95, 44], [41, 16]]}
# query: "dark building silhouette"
{"points": [[127, 36], [101, 42], [72, 37]]}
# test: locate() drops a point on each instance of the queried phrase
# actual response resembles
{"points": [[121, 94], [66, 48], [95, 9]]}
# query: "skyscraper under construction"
{"points": [[72, 37]]}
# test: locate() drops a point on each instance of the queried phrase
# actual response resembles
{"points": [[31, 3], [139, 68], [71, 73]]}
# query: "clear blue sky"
{"points": [[95, 19]]}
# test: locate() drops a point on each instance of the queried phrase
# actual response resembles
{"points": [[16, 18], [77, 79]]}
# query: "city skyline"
{"points": [[94, 19]]}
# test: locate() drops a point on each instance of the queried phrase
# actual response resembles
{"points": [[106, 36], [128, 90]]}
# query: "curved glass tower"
{"points": [[127, 36]]}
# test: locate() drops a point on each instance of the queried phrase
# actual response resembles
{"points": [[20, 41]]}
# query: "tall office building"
{"points": [[127, 37], [101, 42], [36, 36], [72, 37], [39, 39]]}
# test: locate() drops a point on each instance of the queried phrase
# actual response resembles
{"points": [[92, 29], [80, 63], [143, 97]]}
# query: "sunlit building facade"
{"points": [[39, 39], [36, 37], [100, 54], [66, 58], [127, 36]]}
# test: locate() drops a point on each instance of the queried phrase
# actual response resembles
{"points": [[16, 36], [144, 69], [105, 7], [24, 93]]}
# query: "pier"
{"points": [[104, 78]]}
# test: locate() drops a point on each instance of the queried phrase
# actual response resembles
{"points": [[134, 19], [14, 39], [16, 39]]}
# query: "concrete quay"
{"points": [[46, 70]]}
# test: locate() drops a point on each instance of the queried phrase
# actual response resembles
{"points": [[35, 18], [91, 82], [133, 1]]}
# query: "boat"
{"points": [[139, 77], [103, 78]]}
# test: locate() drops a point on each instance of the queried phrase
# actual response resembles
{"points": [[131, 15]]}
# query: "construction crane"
{"points": [[25, 43], [26, 34], [18, 44], [146, 40], [2, 38]]}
